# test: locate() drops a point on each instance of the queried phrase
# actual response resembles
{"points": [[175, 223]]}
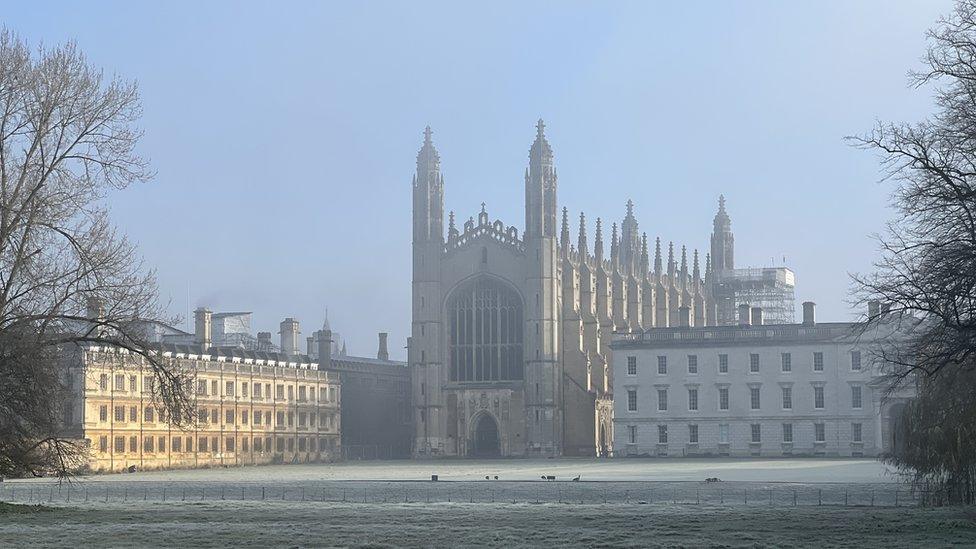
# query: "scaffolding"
{"points": [[771, 288]]}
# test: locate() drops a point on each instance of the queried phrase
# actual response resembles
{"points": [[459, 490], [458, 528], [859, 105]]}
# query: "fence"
{"points": [[537, 492]]}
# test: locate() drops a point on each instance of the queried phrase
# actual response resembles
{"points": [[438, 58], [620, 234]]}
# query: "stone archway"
{"points": [[485, 441], [896, 428]]}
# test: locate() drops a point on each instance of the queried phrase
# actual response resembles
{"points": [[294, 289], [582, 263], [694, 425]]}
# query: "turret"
{"points": [[723, 243], [564, 233], [658, 267], [581, 246], [614, 249], [643, 256], [629, 241], [540, 188], [598, 244], [428, 194]]}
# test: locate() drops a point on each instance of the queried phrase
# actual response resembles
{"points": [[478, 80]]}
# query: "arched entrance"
{"points": [[485, 441], [896, 426]]}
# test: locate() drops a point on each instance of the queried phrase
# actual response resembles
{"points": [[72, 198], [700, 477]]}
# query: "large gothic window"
{"points": [[486, 332]]}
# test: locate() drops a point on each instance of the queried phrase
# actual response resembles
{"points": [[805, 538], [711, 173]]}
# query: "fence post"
{"points": [[721, 496], [203, 494], [845, 498], [242, 492], [428, 496], [820, 496], [364, 494], [283, 490], [145, 493], [674, 496], [745, 496], [698, 496], [262, 493], [222, 492], [164, 493], [794, 498], [86, 494], [106, 494]]}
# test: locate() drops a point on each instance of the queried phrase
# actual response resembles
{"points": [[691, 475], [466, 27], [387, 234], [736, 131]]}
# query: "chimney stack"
{"points": [[310, 346], [874, 309], [325, 349], [885, 308], [383, 353], [757, 316], [808, 313], [202, 323], [264, 341], [289, 336], [96, 309], [743, 314], [684, 316]]}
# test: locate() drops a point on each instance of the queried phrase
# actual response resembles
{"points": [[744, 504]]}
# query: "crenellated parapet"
{"points": [[483, 229]]}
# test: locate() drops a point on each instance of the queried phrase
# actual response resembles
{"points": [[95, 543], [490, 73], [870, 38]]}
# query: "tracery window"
{"points": [[485, 318]]}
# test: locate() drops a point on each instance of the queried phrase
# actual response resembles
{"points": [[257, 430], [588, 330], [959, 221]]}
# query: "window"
{"points": [[662, 399], [302, 419], [202, 445], [787, 360], [148, 443], [257, 417], [133, 443], [723, 433], [631, 400], [856, 432], [215, 416], [692, 364], [229, 417], [133, 414], [662, 365], [279, 444], [787, 432], [754, 398], [120, 444], [756, 431], [787, 398], [723, 364], [662, 434], [244, 389], [189, 444], [819, 432], [280, 419], [119, 382], [229, 444], [147, 414], [267, 419], [214, 388], [202, 387], [244, 444], [291, 392], [203, 415], [302, 393], [693, 434], [632, 365], [693, 399], [103, 413], [257, 390], [133, 386], [485, 332], [855, 360], [177, 444], [856, 397], [291, 419], [723, 398], [214, 444], [754, 363], [103, 444], [244, 417], [120, 413], [103, 382], [817, 362], [818, 397], [229, 389], [632, 434], [257, 444], [280, 392]]}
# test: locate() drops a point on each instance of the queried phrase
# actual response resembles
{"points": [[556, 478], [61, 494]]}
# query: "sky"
{"points": [[284, 134]]}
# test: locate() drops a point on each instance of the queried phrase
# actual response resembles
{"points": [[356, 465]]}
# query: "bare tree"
{"points": [[67, 137], [927, 272]]}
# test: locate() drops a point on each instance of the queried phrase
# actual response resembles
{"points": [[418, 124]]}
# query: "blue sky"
{"points": [[284, 134]]}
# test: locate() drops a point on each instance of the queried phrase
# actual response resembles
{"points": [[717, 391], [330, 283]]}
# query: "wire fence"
{"points": [[537, 492]]}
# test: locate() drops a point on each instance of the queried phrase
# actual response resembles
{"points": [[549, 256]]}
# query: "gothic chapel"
{"points": [[509, 347]]}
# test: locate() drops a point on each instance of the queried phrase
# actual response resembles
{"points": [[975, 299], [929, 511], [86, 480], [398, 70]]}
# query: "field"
{"points": [[843, 503]]}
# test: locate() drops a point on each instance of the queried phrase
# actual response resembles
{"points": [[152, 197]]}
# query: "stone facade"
{"points": [[251, 408], [509, 347], [759, 390]]}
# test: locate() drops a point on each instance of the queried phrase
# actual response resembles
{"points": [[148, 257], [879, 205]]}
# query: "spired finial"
{"points": [[540, 128], [598, 244], [427, 134], [483, 210], [721, 202], [630, 208]]}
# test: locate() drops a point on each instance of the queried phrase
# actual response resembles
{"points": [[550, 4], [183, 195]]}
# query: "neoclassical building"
{"points": [[509, 348]]}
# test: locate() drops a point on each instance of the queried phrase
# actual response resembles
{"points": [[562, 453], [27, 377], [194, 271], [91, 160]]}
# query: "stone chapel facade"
{"points": [[509, 348]]}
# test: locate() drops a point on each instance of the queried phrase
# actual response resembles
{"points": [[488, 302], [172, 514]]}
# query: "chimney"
{"points": [[325, 348], [808, 313], [289, 336], [383, 353], [684, 316], [202, 322], [743, 314], [264, 341], [757, 316], [310, 346], [96, 309], [874, 309], [885, 308]]}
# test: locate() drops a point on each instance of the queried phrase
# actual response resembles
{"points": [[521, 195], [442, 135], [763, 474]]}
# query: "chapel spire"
{"points": [[581, 246], [598, 244], [540, 188], [428, 193], [723, 242]]}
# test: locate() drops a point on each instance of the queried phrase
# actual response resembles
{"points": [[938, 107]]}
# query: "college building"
{"points": [[753, 389]]}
